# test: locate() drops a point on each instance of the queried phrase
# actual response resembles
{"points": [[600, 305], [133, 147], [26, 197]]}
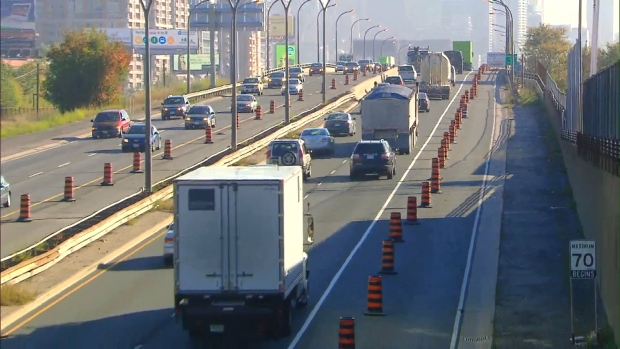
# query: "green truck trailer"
{"points": [[387, 61], [466, 48]]}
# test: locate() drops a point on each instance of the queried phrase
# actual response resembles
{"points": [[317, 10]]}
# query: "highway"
{"points": [[130, 305], [42, 174]]}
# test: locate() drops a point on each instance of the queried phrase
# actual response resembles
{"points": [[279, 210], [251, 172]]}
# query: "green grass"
{"points": [[132, 222], [164, 206], [246, 162], [18, 124], [11, 295]]}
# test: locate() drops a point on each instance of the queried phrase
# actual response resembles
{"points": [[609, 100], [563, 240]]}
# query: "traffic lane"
{"points": [[120, 296], [113, 311], [421, 300], [40, 181]]}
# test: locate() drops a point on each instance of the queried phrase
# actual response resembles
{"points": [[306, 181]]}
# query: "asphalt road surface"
{"points": [[42, 175], [130, 305]]}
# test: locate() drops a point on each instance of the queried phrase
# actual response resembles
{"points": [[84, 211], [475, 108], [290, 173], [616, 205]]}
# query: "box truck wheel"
{"points": [[285, 320], [304, 294]]}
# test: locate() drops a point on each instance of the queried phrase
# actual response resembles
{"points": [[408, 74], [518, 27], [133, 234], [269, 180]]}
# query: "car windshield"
{"points": [[383, 84], [293, 82], [281, 148], [316, 65], [199, 109], [351, 64], [277, 75], [340, 63], [342, 117], [107, 116], [295, 70], [315, 132], [364, 61], [244, 98], [369, 148], [251, 81], [174, 100], [405, 68], [393, 80], [136, 129], [422, 95]]}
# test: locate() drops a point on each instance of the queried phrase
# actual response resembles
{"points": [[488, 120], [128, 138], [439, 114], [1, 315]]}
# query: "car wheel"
{"points": [[428, 110], [120, 132], [159, 145], [390, 174], [213, 123], [7, 203]]}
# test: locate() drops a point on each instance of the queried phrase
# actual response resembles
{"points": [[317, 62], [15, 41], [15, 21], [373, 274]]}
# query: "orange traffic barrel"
{"points": [[375, 296], [167, 150], [208, 134], [346, 332], [137, 163], [426, 194], [107, 175], [69, 195], [24, 209], [387, 258], [396, 227], [412, 211]]}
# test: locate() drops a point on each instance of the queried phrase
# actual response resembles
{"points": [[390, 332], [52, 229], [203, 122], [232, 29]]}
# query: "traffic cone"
{"points": [[107, 175], [272, 107], [69, 197], [441, 157], [238, 122], [346, 79], [396, 227], [375, 296], [412, 211], [208, 134], [346, 332], [426, 195], [333, 84], [387, 258], [167, 150], [137, 163], [24, 209]]}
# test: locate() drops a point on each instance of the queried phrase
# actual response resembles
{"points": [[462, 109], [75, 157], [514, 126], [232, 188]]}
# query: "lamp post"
{"points": [[211, 37], [287, 93], [353, 26], [318, 36], [325, 4], [366, 33], [148, 161], [509, 34], [268, 39], [337, 19], [297, 31], [374, 39], [383, 43], [400, 50]]}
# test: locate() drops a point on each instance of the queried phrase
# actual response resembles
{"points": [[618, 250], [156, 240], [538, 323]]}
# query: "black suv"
{"points": [[175, 106], [376, 157]]}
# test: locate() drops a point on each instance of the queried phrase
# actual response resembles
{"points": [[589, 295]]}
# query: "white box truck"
{"points": [[391, 113], [239, 261], [435, 71]]}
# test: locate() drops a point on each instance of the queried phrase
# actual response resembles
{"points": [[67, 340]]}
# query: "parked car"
{"points": [[341, 124], [110, 123], [5, 192], [296, 73], [135, 139], [316, 69], [318, 140], [252, 85], [290, 152], [294, 87], [174, 106], [246, 103], [169, 245], [351, 67], [395, 80], [340, 67], [372, 157], [424, 103], [276, 79], [199, 116]]}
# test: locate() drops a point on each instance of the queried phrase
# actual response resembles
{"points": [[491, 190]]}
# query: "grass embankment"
{"points": [[18, 124], [11, 295]]}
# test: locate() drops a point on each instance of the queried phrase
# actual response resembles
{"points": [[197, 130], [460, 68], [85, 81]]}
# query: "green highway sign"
{"points": [[510, 59]]}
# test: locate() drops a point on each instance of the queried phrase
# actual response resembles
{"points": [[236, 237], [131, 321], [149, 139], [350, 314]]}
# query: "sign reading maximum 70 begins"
{"points": [[582, 259]]}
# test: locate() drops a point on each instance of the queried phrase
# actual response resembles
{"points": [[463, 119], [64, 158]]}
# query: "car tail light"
{"points": [[169, 240], [301, 154], [355, 157], [385, 156]]}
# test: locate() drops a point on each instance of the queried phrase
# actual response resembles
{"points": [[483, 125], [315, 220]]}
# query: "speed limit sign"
{"points": [[583, 259]]}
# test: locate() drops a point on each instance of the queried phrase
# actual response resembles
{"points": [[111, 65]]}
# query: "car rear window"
{"points": [[199, 110], [369, 148], [315, 132], [277, 75], [107, 116], [316, 65], [393, 80], [405, 68], [136, 130], [251, 81], [174, 100], [281, 148], [295, 70], [337, 117]]}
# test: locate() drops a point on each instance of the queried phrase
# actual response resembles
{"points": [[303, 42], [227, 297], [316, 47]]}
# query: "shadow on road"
{"points": [[136, 264]]}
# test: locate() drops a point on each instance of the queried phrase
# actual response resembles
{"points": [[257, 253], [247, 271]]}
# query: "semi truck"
{"points": [[387, 62], [456, 59], [435, 72], [345, 58], [240, 267], [467, 50], [391, 113], [416, 55]]}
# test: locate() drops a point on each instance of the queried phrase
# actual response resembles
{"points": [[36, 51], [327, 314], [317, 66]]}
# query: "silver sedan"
{"points": [[318, 140]]}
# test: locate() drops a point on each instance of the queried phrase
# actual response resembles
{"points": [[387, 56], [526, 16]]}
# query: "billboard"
{"points": [[277, 27], [281, 53], [250, 17], [17, 15], [162, 41], [196, 62]]}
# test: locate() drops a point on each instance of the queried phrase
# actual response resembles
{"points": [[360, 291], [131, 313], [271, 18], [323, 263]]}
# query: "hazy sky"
{"points": [[566, 12]]}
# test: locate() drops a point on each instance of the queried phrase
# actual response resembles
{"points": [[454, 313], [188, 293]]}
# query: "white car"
{"points": [[169, 245], [294, 86]]}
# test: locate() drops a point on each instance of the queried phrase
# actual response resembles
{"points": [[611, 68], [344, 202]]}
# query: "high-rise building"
{"points": [[535, 13], [606, 25]]}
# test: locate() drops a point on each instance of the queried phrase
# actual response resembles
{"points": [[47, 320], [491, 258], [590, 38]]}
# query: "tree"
{"points": [[85, 69], [609, 56], [12, 94], [550, 47]]}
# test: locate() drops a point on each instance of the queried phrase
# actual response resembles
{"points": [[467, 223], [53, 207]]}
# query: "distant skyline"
{"points": [[567, 12]]}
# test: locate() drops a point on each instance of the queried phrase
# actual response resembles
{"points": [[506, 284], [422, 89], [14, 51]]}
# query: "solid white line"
{"points": [[334, 171], [472, 242], [305, 197], [63, 165], [336, 277], [344, 161], [318, 185], [93, 154], [34, 175]]}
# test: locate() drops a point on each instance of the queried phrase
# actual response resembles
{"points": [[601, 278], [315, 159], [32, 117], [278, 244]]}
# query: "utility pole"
{"points": [[38, 88], [287, 93], [212, 44], [148, 161]]}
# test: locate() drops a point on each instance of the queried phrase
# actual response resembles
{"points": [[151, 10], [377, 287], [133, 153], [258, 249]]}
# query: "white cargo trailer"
{"points": [[239, 259], [436, 71], [391, 113]]}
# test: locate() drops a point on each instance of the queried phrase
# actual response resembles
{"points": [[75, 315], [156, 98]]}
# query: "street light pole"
{"points": [[337, 19], [325, 4], [366, 33], [211, 39], [353, 26], [297, 31], [373, 42], [268, 39], [148, 161], [287, 93], [318, 36], [383, 43], [400, 50]]}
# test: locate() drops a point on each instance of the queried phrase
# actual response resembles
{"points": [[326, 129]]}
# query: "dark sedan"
{"points": [[424, 103], [135, 139], [341, 124], [276, 79], [199, 116], [316, 68]]}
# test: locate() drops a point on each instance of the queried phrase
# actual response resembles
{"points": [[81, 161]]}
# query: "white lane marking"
{"points": [[331, 173], [344, 161], [336, 277], [318, 185], [34, 175], [93, 154], [472, 241], [305, 197], [63, 165]]}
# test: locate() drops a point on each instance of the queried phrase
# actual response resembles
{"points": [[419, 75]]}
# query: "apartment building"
{"points": [[54, 17]]}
